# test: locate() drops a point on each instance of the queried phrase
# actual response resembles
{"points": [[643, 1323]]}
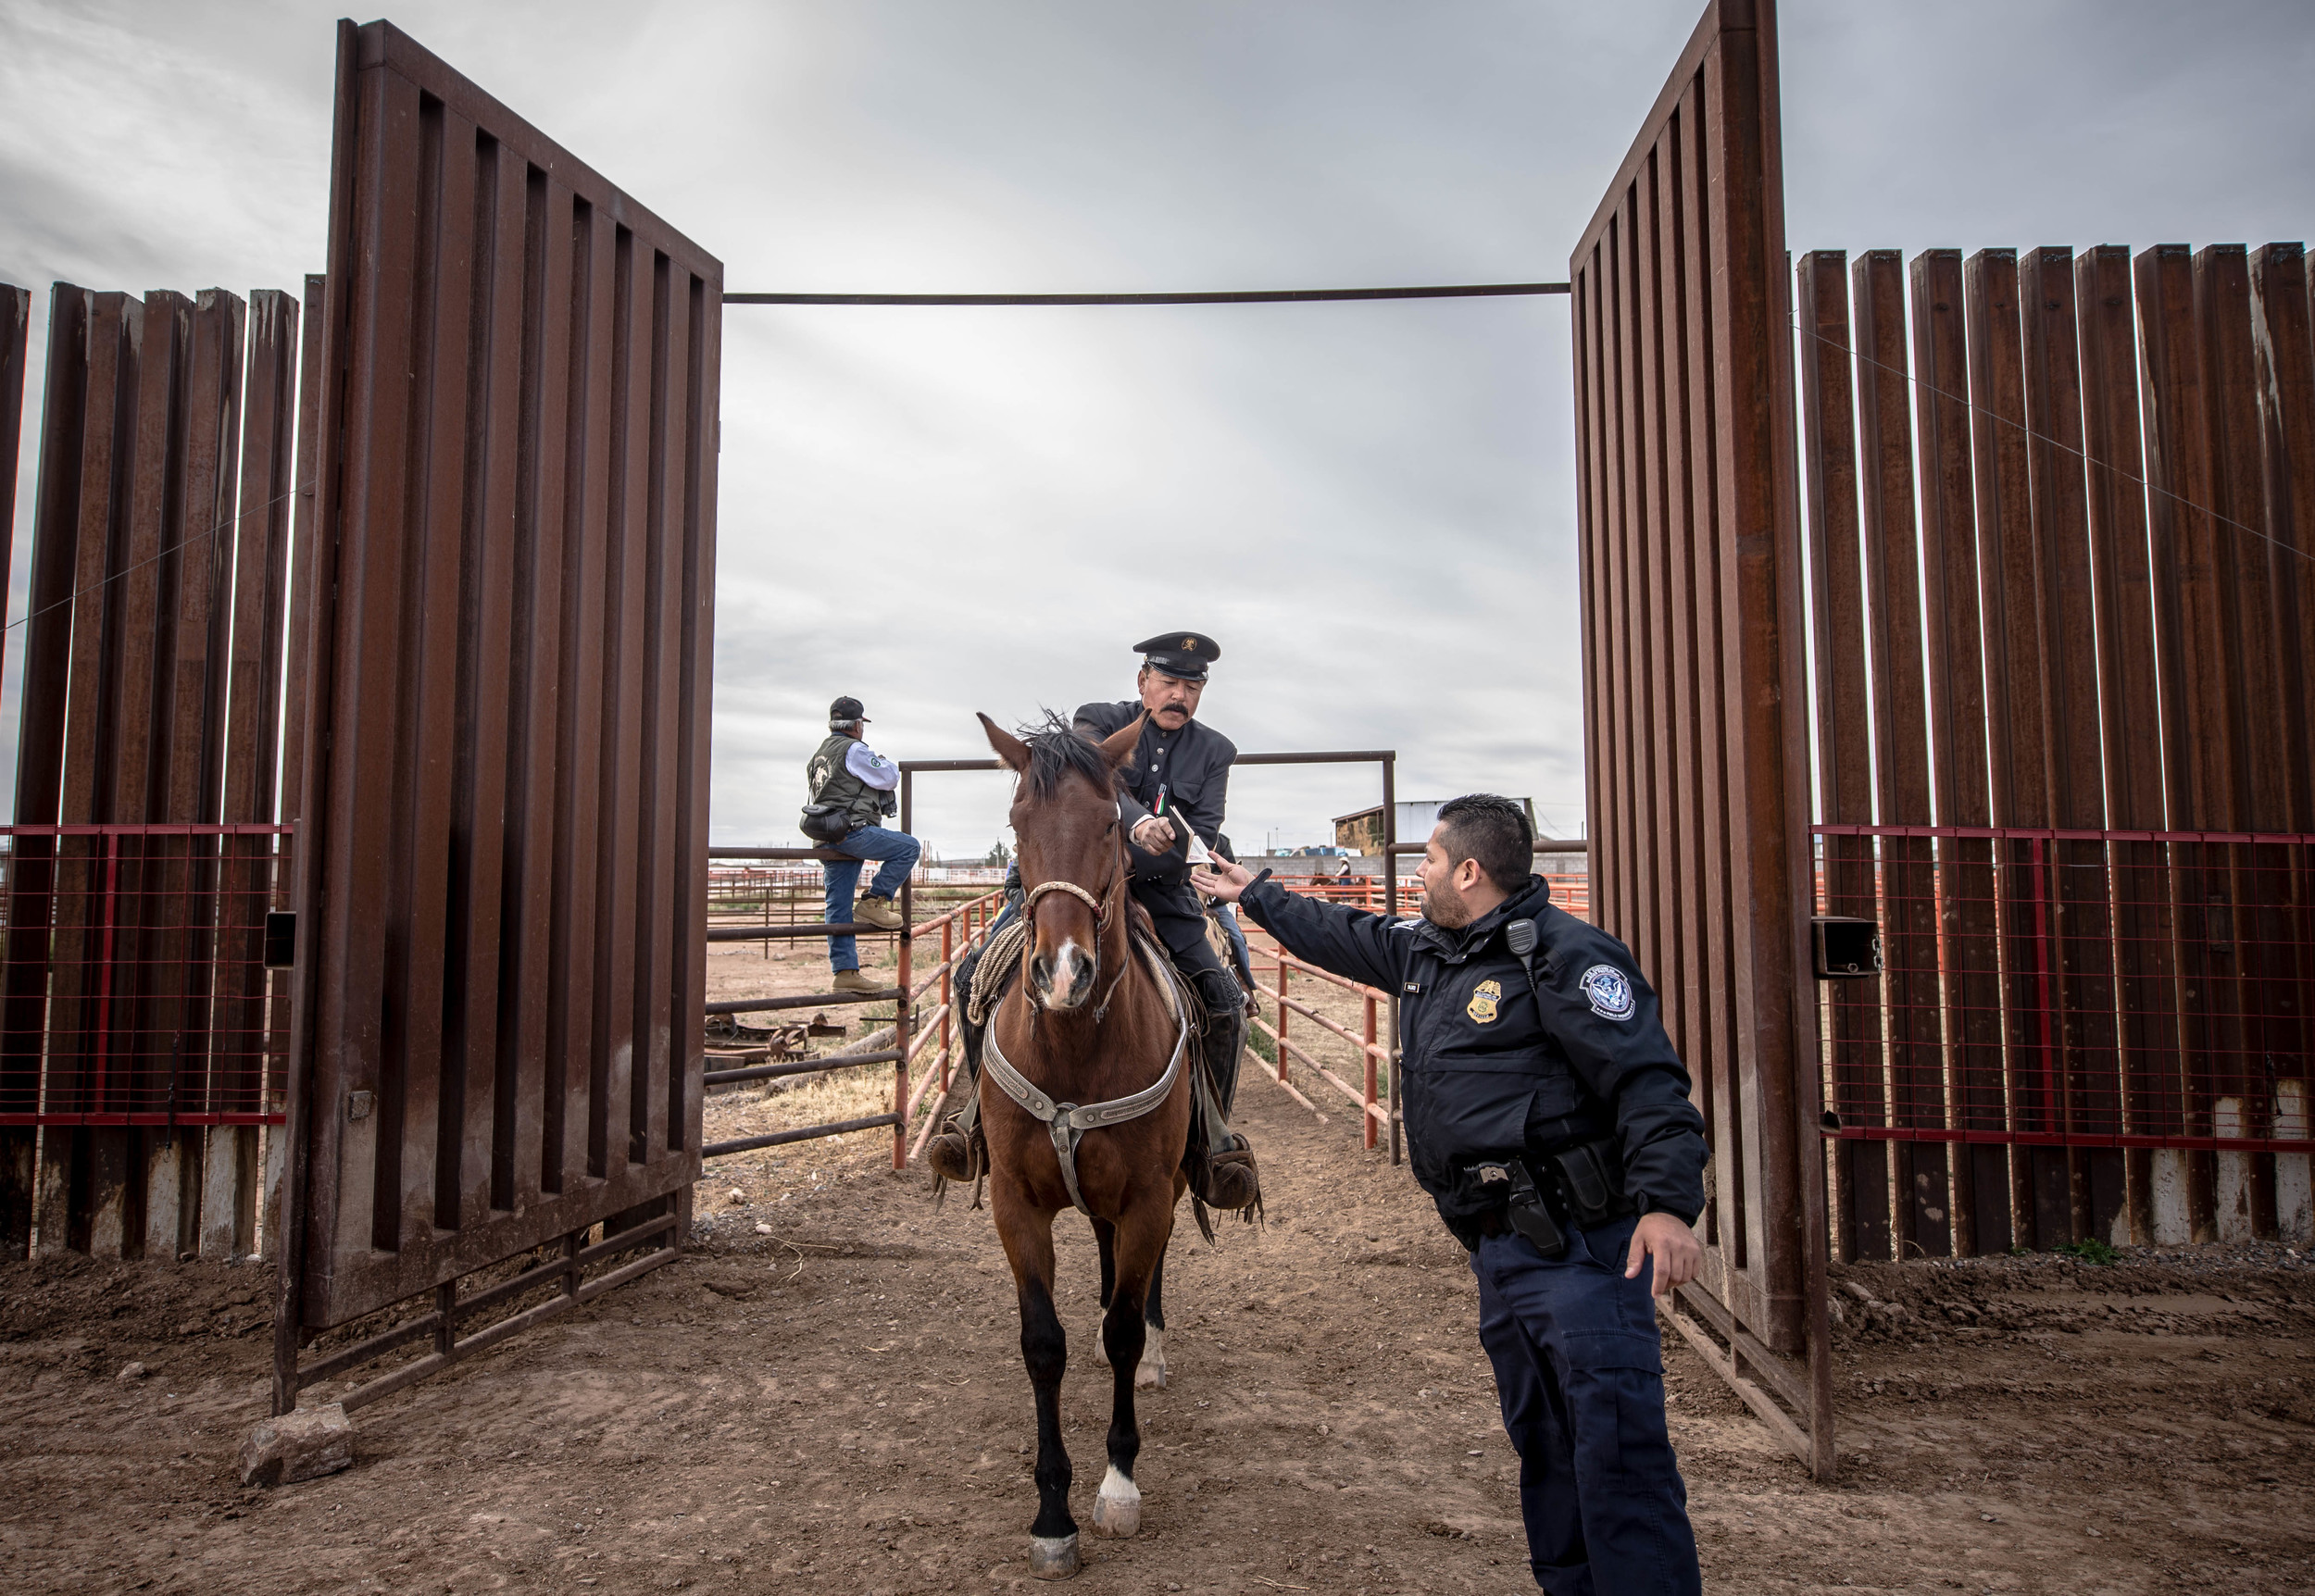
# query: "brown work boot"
{"points": [[882, 912], [858, 982]]}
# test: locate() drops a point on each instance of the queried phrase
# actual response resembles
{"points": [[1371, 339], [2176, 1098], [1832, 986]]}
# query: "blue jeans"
{"points": [[1239, 954], [1579, 1372], [896, 849]]}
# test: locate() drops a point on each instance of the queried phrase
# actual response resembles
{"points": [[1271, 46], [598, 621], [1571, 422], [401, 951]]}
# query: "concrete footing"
{"points": [[293, 1446]]}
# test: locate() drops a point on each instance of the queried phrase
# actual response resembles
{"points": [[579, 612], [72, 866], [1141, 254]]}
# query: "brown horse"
{"points": [[1098, 1022]]}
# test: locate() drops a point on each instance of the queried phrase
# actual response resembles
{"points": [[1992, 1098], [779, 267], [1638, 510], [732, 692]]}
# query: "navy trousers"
{"points": [[1580, 1377]]}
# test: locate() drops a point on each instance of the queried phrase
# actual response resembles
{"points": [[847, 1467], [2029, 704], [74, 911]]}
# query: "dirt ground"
{"points": [[826, 1394]]}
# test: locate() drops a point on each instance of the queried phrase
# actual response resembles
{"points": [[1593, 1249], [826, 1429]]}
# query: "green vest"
{"points": [[829, 781]]}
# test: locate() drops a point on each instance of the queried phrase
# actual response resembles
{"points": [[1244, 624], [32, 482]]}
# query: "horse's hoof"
{"points": [[1117, 1508], [1053, 1556]]}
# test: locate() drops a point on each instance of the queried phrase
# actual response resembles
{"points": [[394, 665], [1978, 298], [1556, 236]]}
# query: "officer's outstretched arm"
{"points": [[1333, 937]]}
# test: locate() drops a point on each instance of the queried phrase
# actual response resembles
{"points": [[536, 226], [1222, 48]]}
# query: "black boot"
{"points": [[959, 1152], [1229, 1180]]}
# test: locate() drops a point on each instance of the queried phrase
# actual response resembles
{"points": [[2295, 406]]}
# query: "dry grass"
{"points": [[840, 1094]]}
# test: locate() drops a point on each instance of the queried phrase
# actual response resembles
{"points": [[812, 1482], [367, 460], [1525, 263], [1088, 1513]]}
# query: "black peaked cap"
{"points": [[1182, 654]]}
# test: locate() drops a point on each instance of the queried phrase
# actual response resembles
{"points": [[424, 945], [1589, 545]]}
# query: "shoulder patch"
{"points": [[1609, 990]]}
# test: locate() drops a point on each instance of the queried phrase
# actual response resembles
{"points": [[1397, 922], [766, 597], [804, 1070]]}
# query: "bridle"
{"points": [[1102, 919]]}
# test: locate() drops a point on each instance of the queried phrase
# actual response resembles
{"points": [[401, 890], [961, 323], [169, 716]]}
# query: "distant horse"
{"points": [[1102, 1021]]}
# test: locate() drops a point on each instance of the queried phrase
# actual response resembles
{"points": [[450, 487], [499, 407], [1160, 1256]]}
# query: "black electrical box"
{"points": [[1847, 949], [281, 939]]}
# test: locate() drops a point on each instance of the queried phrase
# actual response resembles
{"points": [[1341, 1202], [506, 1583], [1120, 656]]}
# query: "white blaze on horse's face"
{"points": [[1066, 980]]}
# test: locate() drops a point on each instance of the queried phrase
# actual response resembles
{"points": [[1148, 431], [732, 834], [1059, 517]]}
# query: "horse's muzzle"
{"points": [[1064, 979]]}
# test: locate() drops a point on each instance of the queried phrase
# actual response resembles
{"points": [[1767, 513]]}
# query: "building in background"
{"points": [[1362, 832]]}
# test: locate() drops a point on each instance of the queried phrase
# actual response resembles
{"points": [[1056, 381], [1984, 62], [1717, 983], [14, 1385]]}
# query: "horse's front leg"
{"points": [[1143, 1231], [1106, 1242], [1027, 1233]]}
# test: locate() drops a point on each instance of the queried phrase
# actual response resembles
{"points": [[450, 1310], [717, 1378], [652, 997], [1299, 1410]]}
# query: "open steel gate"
{"points": [[501, 857], [1696, 704]]}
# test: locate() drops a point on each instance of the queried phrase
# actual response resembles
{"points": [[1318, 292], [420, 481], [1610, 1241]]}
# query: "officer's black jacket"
{"points": [[1193, 764], [1488, 1071]]}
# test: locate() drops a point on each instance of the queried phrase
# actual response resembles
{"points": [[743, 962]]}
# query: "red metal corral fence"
{"points": [[775, 881]]}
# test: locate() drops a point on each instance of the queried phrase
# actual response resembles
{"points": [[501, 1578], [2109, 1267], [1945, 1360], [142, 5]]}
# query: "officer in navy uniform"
{"points": [[1548, 1117], [1175, 788]]}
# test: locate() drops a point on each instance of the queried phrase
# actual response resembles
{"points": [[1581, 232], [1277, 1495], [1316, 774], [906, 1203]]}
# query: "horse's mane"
{"points": [[1057, 752]]}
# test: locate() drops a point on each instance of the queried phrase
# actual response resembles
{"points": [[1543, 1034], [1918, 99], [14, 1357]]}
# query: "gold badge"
{"points": [[1189, 645], [1481, 1008]]}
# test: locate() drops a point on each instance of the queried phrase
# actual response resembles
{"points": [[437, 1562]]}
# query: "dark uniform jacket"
{"points": [[1193, 764], [1492, 1066]]}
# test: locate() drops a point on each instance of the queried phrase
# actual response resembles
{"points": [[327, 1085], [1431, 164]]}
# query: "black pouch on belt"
{"points": [[1591, 1179]]}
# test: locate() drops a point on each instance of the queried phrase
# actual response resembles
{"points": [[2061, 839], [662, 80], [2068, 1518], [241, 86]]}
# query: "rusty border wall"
{"points": [[18, 1149], [150, 716], [2054, 581], [2096, 922], [501, 851], [1695, 687]]}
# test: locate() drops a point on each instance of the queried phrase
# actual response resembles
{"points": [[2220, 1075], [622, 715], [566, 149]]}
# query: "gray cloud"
{"points": [[950, 510]]}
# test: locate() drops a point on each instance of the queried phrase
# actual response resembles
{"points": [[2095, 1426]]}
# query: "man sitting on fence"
{"points": [[848, 775]]}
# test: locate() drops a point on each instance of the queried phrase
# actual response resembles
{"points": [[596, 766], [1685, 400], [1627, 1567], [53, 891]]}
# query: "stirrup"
{"points": [[950, 1157], [959, 1153], [1226, 1182], [1233, 1182]]}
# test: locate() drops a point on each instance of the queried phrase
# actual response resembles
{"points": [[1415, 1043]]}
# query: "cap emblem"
{"points": [[1189, 645]]}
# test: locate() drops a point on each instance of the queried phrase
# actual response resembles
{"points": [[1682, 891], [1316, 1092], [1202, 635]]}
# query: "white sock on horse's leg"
{"points": [[1152, 1370], [1117, 1508]]}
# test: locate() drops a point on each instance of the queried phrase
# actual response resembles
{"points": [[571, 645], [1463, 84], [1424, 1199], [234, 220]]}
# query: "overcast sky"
{"points": [[1370, 507]]}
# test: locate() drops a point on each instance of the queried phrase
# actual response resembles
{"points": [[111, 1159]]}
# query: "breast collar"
{"points": [[1066, 1121]]}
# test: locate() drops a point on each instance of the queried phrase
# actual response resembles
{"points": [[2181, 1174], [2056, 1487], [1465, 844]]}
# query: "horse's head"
{"points": [[1065, 819]]}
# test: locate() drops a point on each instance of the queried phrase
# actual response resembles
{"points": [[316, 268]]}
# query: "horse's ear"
{"points": [[1118, 747], [1011, 749]]}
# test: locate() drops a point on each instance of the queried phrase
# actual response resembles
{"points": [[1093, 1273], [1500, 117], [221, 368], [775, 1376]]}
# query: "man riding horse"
{"points": [[1169, 799]]}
